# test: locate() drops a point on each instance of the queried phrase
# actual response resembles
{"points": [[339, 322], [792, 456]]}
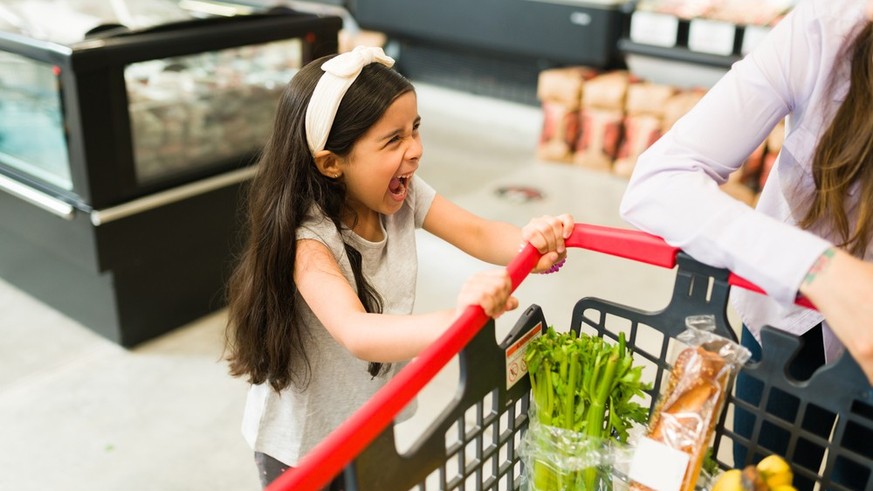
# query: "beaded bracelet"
{"points": [[555, 267]]}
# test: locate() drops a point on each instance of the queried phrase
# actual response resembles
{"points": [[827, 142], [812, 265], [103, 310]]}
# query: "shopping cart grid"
{"points": [[473, 444], [837, 392]]}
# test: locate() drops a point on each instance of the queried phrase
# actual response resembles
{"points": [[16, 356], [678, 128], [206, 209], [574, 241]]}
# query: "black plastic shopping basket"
{"points": [[473, 444]]}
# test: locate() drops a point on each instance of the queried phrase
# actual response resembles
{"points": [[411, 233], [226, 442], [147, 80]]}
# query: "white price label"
{"points": [[658, 466], [752, 36], [711, 36], [516, 367], [654, 28]]}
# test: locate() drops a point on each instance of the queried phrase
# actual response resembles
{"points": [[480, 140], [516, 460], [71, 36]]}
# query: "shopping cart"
{"points": [[474, 443]]}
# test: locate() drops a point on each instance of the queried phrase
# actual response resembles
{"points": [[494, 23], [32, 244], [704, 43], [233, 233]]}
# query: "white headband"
{"points": [[339, 74]]}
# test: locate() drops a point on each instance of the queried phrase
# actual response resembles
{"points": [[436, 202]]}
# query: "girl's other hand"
{"points": [[547, 234], [491, 289]]}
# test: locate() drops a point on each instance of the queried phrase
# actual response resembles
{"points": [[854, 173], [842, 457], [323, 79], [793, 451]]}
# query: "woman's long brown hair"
{"points": [[844, 156], [264, 338]]}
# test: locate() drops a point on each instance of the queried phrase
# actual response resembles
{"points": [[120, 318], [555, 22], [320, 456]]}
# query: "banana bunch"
{"points": [[771, 474]]}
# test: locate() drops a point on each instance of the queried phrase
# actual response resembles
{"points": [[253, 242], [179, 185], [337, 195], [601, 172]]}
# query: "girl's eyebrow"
{"points": [[393, 133]]}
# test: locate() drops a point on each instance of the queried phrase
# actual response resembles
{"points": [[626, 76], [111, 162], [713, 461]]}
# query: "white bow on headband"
{"points": [[339, 74]]}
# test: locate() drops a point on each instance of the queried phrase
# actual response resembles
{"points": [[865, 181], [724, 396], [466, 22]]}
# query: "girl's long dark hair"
{"points": [[264, 338], [844, 156]]}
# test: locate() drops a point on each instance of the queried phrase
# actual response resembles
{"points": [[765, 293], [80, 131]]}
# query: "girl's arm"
{"points": [[841, 287], [494, 241], [384, 337]]}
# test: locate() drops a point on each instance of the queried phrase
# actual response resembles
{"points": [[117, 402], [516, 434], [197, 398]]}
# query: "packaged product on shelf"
{"points": [[648, 98], [643, 123], [681, 428], [601, 119], [559, 132], [640, 132], [607, 91], [740, 12], [749, 12], [564, 85], [560, 92], [684, 9], [599, 138]]}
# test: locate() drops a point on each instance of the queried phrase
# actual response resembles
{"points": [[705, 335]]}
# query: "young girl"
{"points": [[321, 302], [812, 229]]}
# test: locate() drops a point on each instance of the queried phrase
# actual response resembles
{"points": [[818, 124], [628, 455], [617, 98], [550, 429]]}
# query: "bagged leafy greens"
{"points": [[584, 405]]}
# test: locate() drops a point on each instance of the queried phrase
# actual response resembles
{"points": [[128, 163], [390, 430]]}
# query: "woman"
{"points": [[811, 230]]}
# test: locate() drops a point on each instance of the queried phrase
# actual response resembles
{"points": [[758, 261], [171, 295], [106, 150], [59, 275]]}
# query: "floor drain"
{"points": [[519, 194]]}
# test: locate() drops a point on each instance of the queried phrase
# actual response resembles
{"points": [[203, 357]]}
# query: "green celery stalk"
{"points": [[597, 411], [586, 385]]}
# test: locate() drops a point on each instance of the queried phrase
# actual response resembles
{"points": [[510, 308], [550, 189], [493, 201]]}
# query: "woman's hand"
{"points": [[841, 287], [547, 234], [491, 289]]}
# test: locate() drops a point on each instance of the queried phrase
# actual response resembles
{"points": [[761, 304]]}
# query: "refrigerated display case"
{"points": [[495, 47], [127, 130]]}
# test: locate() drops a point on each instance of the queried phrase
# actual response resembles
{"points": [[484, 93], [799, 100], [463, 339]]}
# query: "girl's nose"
{"points": [[415, 149]]}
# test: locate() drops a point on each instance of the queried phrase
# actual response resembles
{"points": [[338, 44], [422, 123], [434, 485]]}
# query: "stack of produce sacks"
{"points": [[604, 121], [643, 122], [601, 120], [560, 93]]}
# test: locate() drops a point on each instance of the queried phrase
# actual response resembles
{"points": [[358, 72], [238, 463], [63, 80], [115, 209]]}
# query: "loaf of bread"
{"points": [[688, 410]]}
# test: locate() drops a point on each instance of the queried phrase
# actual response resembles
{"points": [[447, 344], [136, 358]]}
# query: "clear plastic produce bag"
{"points": [[557, 459]]}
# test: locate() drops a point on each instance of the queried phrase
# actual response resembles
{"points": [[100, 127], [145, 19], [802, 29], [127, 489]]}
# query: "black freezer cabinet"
{"points": [[123, 151], [560, 31]]}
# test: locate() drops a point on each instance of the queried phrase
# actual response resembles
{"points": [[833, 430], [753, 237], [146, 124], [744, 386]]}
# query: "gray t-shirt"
{"points": [[289, 424]]}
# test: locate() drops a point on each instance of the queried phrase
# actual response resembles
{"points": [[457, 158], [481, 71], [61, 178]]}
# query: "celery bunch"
{"points": [[585, 385]]}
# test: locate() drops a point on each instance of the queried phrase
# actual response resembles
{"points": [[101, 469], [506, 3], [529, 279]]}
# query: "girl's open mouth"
{"points": [[399, 186]]}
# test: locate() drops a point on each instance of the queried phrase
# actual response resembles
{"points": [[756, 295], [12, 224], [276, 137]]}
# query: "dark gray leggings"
{"points": [[269, 469]]}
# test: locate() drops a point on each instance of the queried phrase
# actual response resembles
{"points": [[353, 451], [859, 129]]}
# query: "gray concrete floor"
{"points": [[80, 413]]}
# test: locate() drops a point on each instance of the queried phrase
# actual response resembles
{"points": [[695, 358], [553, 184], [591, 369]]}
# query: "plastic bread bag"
{"points": [[681, 427]]}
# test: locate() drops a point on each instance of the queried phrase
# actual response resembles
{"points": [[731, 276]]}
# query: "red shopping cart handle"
{"points": [[741, 282], [339, 448], [646, 248], [629, 244]]}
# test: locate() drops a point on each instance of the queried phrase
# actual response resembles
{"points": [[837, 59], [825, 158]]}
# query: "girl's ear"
{"points": [[327, 163]]}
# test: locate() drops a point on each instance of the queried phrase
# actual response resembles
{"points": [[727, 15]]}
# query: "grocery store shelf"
{"points": [[677, 53]]}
